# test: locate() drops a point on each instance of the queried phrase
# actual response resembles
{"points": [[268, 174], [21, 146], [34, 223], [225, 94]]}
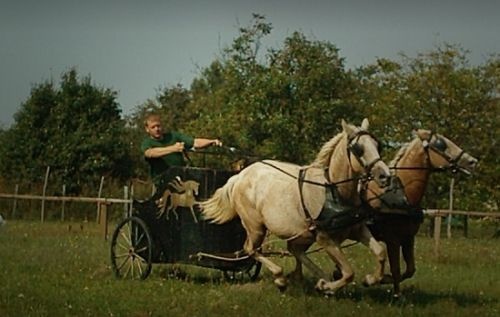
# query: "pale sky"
{"points": [[138, 46]]}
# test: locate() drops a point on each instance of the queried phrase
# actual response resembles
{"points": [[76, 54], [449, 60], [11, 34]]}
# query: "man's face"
{"points": [[153, 128]]}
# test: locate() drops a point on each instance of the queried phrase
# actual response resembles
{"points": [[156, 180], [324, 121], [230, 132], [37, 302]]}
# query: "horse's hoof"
{"points": [[320, 285], [370, 280], [337, 275], [328, 293], [295, 276], [281, 283], [387, 279]]}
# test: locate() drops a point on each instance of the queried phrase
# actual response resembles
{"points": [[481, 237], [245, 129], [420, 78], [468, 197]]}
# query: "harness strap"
{"points": [[309, 219]]}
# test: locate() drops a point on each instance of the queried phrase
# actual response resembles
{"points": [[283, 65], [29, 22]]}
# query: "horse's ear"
{"points": [[423, 134], [365, 124], [347, 128]]}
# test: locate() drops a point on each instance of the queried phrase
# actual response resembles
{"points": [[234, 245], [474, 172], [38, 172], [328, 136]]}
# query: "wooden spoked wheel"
{"points": [[131, 249]]}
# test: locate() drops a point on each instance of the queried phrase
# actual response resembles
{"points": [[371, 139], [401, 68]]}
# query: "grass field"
{"points": [[48, 270]]}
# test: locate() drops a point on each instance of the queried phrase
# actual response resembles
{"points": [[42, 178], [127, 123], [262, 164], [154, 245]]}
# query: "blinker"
{"points": [[357, 149], [440, 144]]}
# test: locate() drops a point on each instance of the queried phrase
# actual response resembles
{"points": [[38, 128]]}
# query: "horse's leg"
{"points": [[393, 254], [193, 214], [408, 248], [173, 205], [365, 237], [256, 233], [162, 203], [161, 212], [252, 243], [298, 248], [335, 252], [174, 210]]}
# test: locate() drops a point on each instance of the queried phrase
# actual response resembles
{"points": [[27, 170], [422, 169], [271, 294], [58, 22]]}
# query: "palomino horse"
{"points": [[287, 200], [412, 165], [181, 194]]}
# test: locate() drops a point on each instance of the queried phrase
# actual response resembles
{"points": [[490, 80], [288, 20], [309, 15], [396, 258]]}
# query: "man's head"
{"points": [[152, 125]]}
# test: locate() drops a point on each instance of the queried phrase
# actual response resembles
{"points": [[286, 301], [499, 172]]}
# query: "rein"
{"points": [[433, 169], [302, 171], [301, 180], [351, 148]]}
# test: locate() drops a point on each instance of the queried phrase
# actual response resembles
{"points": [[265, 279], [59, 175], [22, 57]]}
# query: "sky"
{"points": [[136, 47]]}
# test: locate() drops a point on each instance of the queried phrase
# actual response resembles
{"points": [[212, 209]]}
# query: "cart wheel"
{"points": [[251, 273], [131, 249]]}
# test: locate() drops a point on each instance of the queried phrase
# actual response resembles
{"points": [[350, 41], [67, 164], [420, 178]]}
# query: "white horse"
{"points": [[287, 200]]}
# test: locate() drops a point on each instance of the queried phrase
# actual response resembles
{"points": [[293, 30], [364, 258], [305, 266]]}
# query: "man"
{"points": [[164, 150]]}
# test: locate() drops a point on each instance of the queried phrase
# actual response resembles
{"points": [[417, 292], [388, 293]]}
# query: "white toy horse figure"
{"points": [[412, 165], [287, 200]]}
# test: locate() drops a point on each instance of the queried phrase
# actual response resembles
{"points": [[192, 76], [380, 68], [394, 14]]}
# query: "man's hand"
{"points": [[216, 142], [177, 147]]}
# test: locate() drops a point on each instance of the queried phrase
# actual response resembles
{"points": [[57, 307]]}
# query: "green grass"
{"points": [[48, 270]]}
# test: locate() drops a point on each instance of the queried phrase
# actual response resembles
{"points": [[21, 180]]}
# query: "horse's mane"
{"points": [[399, 155], [323, 157]]}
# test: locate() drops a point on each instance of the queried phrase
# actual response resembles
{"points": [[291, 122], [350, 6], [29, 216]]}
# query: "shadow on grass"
{"points": [[381, 294], [413, 296], [197, 275]]}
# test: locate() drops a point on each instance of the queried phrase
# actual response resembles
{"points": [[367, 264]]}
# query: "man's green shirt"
{"points": [[161, 164]]}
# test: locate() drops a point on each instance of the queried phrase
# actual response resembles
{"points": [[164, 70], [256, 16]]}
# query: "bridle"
{"points": [[438, 147], [357, 150], [441, 151]]}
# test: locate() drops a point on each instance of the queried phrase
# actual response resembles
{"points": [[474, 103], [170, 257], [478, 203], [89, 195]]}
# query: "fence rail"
{"points": [[104, 200], [101, 211], [445, 212], [102, 204], [68, 198]]}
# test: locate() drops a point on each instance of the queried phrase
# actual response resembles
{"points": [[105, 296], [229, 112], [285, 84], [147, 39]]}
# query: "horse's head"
{"points": [[364, 153], [444, 154], [194, 186]]}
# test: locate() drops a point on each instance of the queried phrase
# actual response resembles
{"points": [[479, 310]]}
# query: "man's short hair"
{"points": [[150, 117]]}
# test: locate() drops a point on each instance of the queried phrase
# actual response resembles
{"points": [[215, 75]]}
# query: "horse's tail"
{"points": [[219, 207]]}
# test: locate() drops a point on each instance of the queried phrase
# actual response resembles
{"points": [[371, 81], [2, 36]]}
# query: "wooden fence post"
{"points": [[101, 184], [132, 194], [103, 221], [125, 206], [63, 202], [42, 214], [448, 225], [14, 205], [437, 234]]}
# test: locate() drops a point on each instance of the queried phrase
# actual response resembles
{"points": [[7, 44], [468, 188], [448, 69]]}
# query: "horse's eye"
{"points": [[440, 144], [357, 149]]}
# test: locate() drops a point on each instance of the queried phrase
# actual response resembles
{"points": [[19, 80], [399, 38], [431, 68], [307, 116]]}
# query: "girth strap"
{"points": [[309, 219]]}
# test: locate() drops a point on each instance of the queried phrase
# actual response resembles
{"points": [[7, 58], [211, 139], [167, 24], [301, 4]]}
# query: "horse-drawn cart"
{"points": [[168, 228]]}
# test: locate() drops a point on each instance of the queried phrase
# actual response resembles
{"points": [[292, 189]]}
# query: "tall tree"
{"points": [[76, 129]]}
